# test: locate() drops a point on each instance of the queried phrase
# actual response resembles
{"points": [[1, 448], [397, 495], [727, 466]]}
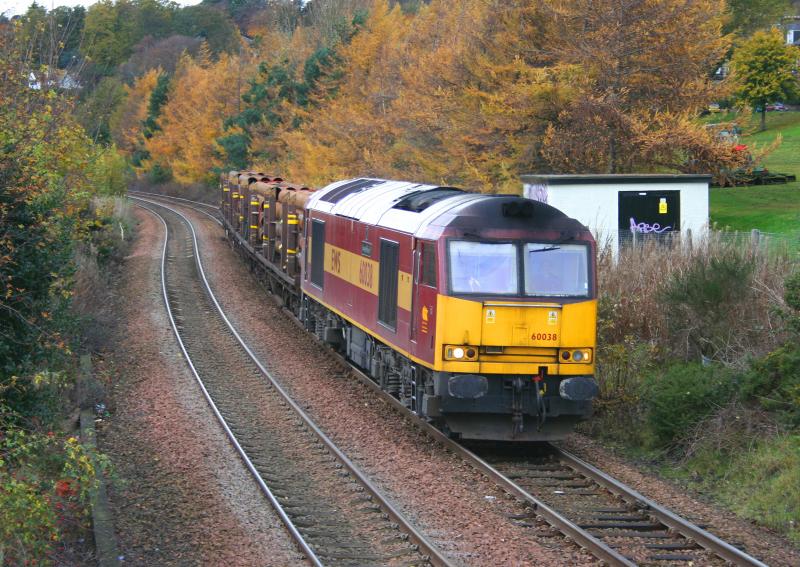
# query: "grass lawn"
{"points": [[771, 208]]}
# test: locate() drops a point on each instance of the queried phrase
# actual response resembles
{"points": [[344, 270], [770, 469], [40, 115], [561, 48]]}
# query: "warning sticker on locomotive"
{"points": [[552, 318], [491, 315]]}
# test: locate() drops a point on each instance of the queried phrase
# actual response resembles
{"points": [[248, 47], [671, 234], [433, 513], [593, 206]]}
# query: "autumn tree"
{"points": [[51, 39], [641, 59], [333, 17], [749, 16], [201, 96], [152, 53], [763, 70], [475, 108], [113, 27], [127, 121], [350, 132], [288, 88], [209, 24], [95, 109]]}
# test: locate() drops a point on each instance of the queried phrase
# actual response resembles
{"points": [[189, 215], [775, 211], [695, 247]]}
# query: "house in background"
{"points": [[791, 27]]}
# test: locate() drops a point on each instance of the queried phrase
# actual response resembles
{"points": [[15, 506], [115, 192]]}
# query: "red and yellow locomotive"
{"points": [[477, 311]]}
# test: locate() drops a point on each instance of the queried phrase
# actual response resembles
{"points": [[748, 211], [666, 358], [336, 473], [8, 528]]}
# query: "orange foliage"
{"points": [[644, 60], [353, 131], [472, 93], [202, 95], [126, 123]]}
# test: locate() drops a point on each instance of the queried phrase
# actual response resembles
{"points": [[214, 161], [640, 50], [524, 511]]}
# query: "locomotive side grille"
{"points": [[387, 283], [318, 253]]}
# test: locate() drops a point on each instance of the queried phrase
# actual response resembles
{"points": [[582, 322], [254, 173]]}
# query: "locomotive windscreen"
{"points": [[556, 270], [483, 267], [490, 268]]}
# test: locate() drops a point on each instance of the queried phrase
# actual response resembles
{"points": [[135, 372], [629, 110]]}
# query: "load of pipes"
{"points": [[284, 194]]}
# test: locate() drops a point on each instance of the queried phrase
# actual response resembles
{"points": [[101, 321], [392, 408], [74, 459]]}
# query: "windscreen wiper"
{"points": [[548, 249]]}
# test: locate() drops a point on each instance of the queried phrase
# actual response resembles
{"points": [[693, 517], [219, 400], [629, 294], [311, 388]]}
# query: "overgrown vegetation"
{"points": [[50, 174], [699, 368]]}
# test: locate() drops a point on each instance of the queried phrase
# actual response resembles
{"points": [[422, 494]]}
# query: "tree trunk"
{"points": [[763, 117], [612, 154]]}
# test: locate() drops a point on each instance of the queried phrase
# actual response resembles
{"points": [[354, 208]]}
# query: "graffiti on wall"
{"points": [[644, 228], [537, 192]]}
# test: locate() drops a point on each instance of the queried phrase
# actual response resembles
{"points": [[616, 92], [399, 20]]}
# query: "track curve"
{"points": [[331, 510], [685, 543]]}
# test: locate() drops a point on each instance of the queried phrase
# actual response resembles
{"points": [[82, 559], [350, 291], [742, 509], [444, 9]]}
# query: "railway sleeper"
{"points": [[645, 527], [626, 535], [688, 544], [672, 557], [620, 518]]}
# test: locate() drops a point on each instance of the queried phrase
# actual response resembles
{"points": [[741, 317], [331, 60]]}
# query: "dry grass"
{"points": [[95, 262], [641, 297]]}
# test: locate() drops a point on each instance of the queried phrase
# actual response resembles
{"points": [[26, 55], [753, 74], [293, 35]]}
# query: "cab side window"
{"points": [[428, 264]]}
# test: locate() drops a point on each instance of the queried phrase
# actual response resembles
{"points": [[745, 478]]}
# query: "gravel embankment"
{"points": [[179, 494]]}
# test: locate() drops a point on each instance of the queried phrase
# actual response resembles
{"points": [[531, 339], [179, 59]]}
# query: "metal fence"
{"points": [[755, 240]]}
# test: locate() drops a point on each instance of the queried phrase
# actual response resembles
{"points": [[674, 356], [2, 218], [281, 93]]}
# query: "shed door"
{"points": [[648, 214]]}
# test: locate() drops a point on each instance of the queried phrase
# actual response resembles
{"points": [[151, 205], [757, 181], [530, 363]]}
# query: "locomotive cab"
{"points": [[516, 312]]}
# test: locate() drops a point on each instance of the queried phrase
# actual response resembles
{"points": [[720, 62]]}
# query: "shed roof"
{"points": [[613, 179]]}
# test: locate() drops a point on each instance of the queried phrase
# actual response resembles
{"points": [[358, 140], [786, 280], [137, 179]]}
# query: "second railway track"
{"points": [[612, 521], [335, 513]]}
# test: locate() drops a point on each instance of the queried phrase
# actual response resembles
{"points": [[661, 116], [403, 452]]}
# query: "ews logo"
{"points": [[336, 260]]}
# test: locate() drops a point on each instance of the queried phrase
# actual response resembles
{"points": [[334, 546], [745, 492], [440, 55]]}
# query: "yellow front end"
{"points": [[515, 337]]}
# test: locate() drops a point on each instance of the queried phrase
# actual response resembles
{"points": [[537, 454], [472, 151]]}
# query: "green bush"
{"points": [[159, 174], [618, 409], [774, 380], [702, 301], [680, 396], [46, 484], [110, 173]]}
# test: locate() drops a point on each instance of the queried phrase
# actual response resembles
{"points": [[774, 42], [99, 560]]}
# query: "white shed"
{"points": [[614, 207]]}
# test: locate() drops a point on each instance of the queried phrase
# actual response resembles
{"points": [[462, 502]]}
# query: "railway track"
{"points": [[640, 530], [210, 211], [333, 512], [612, 521]]}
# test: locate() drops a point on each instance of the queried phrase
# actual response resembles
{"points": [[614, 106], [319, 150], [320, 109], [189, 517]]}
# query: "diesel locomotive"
{"points": [[476, 311]]}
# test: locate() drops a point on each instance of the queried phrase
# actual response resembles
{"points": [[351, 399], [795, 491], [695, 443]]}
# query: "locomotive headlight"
{"points": [[583, 355], [456, 352]]}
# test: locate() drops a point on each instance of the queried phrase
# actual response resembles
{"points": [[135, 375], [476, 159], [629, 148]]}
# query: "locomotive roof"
{"points": [[425, 209]]}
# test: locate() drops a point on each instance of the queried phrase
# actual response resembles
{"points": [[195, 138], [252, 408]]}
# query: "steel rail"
{"points": [[144, 196], [551, 516], [434, 556], [702, 537], [293, 531], [580, 536]]}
